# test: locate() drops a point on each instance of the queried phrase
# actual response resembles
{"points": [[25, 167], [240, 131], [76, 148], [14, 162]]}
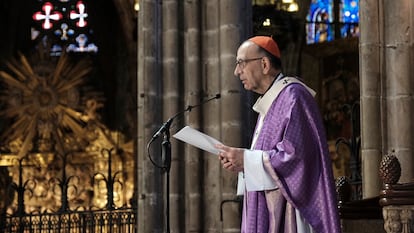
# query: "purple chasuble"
{"points": [[296, 157]]}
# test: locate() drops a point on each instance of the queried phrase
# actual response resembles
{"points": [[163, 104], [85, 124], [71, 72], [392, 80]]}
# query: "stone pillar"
{"points": [[210, 49], [371, 77], [399, 83], [172, 89], [150, 202], [186, 53], [386, 88], [193, 156], [228, 124]]}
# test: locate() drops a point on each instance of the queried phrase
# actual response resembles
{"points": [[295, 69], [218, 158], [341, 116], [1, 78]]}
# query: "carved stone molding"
{"points": [[398, 219], [397, 199]]}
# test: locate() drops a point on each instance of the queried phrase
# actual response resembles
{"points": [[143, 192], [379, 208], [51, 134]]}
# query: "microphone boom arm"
{"points": [[168, 123]]}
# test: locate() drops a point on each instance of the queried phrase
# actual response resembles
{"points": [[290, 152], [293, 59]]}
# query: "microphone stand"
{"points": [[166, 158], [166, 153]]}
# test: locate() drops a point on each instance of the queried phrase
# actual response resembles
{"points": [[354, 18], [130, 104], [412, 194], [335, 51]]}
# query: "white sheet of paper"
{"points": [[198, 139]]}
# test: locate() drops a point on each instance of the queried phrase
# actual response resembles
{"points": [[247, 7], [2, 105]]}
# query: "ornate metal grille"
{"points": [[121, 220], [62, 203]]}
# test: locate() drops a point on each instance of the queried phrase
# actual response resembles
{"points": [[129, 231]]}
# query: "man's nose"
{"points": [[236, 71]]}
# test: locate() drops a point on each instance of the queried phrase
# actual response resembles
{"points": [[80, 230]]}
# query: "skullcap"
{"points": [[267, 43]]}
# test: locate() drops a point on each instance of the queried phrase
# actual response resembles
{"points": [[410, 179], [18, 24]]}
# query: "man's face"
{"points": [[249, 67]]}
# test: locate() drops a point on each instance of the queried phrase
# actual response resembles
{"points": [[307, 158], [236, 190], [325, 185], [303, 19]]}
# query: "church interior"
{"points": [[70, 121]]}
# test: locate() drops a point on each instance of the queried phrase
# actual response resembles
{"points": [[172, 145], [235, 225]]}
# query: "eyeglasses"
{"points": [[242, 62]]}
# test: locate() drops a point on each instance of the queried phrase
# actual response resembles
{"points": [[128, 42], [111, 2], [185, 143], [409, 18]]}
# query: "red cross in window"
{"points": [[47, 16], [81, 15]]}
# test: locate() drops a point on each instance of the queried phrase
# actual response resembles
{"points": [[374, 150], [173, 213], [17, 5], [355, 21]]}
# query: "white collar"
{"points": [[264, 102]]}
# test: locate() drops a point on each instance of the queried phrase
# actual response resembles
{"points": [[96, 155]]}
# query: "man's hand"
{"points": [[231, 158]]}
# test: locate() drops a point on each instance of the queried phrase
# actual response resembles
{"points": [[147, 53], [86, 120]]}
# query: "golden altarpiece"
{"points": [[57, 155], [64, 164]]}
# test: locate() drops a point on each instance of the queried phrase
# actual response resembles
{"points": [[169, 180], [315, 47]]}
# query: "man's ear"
{"points": [[265, 62]]}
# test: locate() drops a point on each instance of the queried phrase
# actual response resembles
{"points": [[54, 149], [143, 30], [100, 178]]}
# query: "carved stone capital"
{"points": [[398, 219]]}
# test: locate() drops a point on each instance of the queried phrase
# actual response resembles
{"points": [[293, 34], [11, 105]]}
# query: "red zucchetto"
{"points": [[267, 43]]}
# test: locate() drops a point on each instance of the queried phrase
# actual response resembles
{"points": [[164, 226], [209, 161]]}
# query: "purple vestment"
{"points": [[296, 157]]}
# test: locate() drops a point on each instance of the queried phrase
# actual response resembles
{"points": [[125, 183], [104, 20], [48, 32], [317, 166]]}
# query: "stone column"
{"points": [[371, 81], [150, 202], [231, 109], [399, 83], [211, 66], [186, 54], [193, 156], [386, 88]]}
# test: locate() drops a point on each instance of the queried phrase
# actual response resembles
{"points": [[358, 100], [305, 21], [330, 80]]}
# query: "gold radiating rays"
{"points": [[43, 103]]}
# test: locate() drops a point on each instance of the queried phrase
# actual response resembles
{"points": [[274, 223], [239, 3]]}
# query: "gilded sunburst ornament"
{"points": [[43, 104]]}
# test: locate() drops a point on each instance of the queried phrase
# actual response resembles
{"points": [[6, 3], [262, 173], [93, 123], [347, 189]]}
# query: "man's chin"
{"points": [[247, 87]]}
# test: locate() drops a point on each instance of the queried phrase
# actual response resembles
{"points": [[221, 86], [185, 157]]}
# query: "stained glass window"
{"points": [[349, 18], [322, 20], [63, 25]]}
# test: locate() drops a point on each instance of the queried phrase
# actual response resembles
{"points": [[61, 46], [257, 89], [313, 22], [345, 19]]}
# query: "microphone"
{"points": [[167, 124], [163, 128]]}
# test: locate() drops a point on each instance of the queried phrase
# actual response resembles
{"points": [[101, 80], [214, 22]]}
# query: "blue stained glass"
{"points": [[82, 45], [319, 7], [56, 50], [320, 18], [349, 15], [349, 11]]}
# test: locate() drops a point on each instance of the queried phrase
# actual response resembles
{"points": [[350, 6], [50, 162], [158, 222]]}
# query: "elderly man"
{"points": [[286, 177]]}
